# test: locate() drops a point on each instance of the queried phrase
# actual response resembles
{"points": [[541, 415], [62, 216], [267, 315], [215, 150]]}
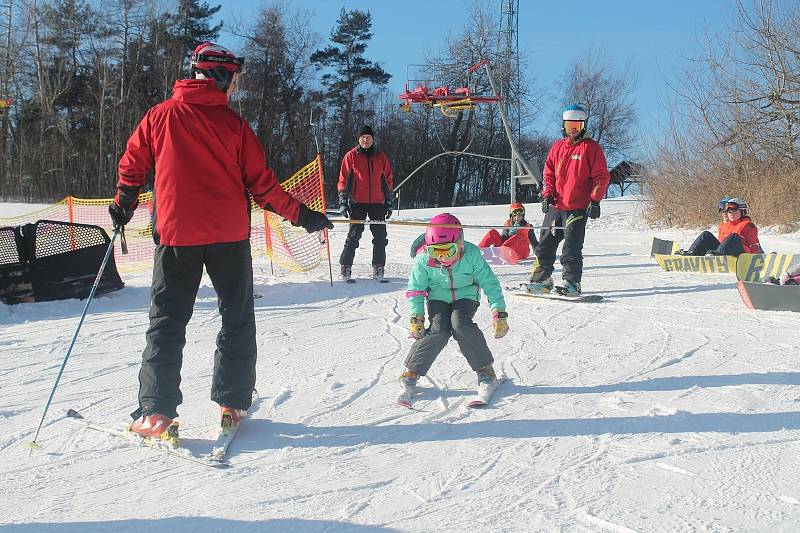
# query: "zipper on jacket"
{"points": [[452, 285], [369, 177]]}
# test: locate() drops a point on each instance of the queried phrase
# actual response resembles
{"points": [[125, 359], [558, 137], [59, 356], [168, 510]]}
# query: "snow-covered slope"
{"points": [[668, 407]]}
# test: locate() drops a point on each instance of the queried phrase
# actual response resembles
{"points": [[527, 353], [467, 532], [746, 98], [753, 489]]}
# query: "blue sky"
{"points": [[654, 36]]}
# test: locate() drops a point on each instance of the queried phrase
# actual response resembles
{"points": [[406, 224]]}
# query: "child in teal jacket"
{"points": [[451, 274]]}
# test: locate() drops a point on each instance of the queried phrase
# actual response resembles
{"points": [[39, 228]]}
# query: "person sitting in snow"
{"points": [[450, 274], [736, 235], [518, 240]]}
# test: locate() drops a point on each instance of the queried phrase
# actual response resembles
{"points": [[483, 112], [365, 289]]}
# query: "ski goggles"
{"points": [[517, 212], [443, 252], [570, 124], [731, 207]]}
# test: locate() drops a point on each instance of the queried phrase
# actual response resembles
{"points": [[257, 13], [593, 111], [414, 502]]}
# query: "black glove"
{"points": [[123, 206], [312, 221], [547, 201], [388, 209], [344, 204], [119, 215], [593, 211]]}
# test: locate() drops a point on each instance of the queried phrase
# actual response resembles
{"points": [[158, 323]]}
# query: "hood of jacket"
{"points": [[198, 92]]}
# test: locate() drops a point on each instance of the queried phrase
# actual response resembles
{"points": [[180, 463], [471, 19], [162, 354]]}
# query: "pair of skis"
{"points": [[481, 398], [217, 458]]}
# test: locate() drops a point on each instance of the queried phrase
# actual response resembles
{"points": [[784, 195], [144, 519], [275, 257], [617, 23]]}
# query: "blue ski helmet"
{"points": [[574, 112]]}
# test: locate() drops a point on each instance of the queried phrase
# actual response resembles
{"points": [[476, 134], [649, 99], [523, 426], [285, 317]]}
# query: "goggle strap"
{"points": [[198, 58]]}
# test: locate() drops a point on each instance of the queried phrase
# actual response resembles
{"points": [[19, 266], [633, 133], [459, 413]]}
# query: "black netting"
{"points": [[54, 260], [9, 254], [53, 237]]}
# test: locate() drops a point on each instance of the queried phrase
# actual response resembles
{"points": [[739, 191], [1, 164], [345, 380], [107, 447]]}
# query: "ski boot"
{"points": [[409, 378], [346, 273], [487, 384], [540, 287], [569, 289], [230, 418], [487, 376], [377, 273], [157, 427], [408, 381]]}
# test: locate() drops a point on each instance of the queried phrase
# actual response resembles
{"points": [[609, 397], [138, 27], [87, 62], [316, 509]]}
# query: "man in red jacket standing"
{"points": [[365, 191], [576, 178], [207, 163]]}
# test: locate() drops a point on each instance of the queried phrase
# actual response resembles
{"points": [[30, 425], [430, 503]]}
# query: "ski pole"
{"points": [[425, 224], [32, 444]]}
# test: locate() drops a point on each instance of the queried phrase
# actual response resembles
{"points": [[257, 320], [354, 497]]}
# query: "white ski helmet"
{"points": [[736, 203], [574, 112]]}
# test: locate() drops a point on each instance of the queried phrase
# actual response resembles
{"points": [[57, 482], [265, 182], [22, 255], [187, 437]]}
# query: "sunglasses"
{"points": [[443, 251], [576, 124]]}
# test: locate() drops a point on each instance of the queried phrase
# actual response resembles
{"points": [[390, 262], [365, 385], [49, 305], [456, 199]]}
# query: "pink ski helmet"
{"points": [[439, 235], [445, 245]]}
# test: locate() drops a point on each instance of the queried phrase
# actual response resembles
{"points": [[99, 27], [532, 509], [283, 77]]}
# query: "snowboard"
{"points": [[583, 298], [499, 255], [698, 264], [760, 267], [663, 247], [770, 297]]}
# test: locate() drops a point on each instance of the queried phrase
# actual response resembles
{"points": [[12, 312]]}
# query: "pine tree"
{"points": [[346, 57]]}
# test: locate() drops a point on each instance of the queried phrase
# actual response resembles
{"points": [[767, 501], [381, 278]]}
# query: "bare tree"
{"points": [[594, 82], [278, 45], [753, 82], [736, 127]]}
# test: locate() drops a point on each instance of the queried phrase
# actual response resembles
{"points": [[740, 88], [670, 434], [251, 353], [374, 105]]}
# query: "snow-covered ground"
{"points": [[668, 407]]}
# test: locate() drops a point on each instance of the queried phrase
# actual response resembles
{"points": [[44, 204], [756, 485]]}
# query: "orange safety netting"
{"points": [[270, 235]]}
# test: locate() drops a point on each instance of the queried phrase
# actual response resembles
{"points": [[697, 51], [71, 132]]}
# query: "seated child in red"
{"points": [[737, 233], [519, 241]]}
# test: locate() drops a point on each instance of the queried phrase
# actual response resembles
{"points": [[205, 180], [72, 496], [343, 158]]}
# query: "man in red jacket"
{"points": [[737, 233], [576, 178], [207, 162], [365, 191]]}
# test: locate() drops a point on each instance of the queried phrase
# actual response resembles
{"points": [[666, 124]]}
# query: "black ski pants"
{"points": [[450, 320], [379, 241], [707, 242], [177, 272], [573, 235]]}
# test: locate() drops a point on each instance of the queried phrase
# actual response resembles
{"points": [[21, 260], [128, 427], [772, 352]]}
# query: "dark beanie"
{"points": [[365, 130]]}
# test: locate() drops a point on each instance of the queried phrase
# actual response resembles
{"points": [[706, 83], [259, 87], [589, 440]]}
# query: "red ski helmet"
{"points": [[513, 208], [217, 63]]}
